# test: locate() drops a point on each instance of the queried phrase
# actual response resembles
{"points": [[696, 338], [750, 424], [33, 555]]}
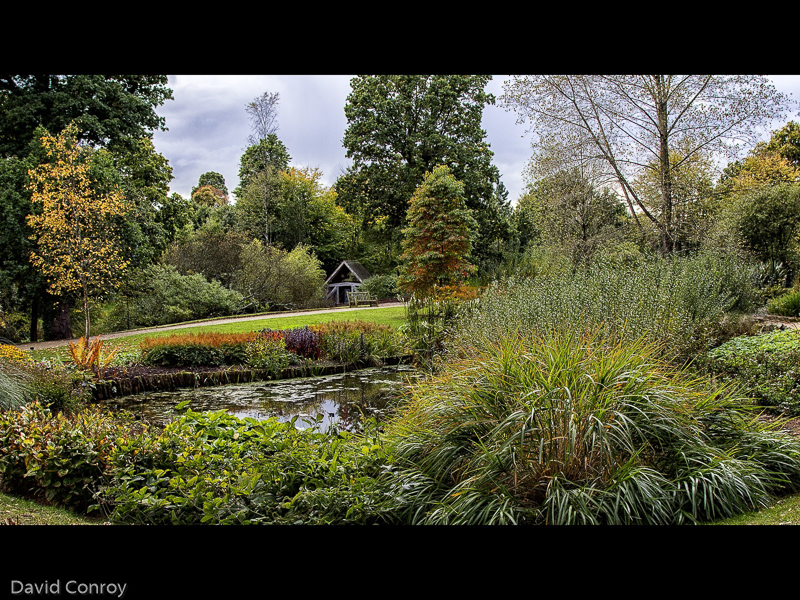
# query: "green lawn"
{"points": [[784, 511], [19, 511]]}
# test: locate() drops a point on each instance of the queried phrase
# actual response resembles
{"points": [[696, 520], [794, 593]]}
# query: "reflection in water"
{"points": [[343, 399]]}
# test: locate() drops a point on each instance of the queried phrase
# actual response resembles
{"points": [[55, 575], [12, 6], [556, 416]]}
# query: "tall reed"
{"points": [[677, 302]]}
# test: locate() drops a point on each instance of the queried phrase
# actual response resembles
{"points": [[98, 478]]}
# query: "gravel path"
{"points": [[119, 334]]}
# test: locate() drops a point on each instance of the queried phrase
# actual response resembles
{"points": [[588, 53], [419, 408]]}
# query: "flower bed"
{"points": [[193, 360]]}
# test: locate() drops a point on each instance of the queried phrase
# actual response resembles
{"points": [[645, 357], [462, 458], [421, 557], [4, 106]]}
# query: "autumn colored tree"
{"points": [[213, 179], [115, 112], [438, 238], [208, 195], [76, 231], [307, 212]]}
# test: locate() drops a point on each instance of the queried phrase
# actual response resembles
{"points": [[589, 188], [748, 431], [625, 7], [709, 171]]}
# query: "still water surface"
{"points": [[342, 399]]}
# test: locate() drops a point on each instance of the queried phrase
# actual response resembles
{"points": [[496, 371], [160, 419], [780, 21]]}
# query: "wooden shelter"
{"points": [[345, 278]]}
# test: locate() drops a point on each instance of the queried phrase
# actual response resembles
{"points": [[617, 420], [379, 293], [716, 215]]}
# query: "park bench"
{"points": [[356, 298]]}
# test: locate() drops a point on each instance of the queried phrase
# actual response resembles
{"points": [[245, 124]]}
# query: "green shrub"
{"points": [[270, 276], [679, 302], [563, 427], [61, 457], [381, 286], [194, 355], [767, 367], [159, 295], [15, 326], [212, 468], [787, 305], [268, 353]]}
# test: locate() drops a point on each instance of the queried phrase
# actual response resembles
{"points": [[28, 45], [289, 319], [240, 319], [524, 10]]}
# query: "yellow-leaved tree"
{"points": [[76, 232]]}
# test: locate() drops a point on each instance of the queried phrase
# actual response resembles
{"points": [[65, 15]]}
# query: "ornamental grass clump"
{"points": [[15, 388], [575, 427], [23, 381]]}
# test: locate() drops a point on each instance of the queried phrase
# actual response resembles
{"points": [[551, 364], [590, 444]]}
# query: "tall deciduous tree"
{"points": [[438, 238], [631, 123], [77, 248], [307, 213], [144, 176], [112, 111], [208, 195], [570, 214], [786, 142], [213, 179], [693, 201], [260, 184], [19, 281], [765, 220], [263, 112], [400, 127]]}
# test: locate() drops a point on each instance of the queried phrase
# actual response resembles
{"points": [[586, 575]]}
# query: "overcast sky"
{"points": [[208, 126]]}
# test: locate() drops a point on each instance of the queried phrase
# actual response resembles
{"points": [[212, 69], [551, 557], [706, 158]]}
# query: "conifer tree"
{"points": [[438, 238]]}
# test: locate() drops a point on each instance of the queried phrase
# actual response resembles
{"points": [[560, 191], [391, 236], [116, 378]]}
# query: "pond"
{"points": [[342, 400]]}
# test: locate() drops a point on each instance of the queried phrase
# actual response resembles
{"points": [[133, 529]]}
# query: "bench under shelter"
{"points": [[345, 279]]}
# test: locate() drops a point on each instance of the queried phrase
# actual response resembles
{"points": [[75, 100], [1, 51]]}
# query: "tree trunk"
{"points": [[56, 325], [34, 328], [85, 313], [666, 176]]}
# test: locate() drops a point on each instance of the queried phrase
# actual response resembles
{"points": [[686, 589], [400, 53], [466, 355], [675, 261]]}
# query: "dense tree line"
{"points": [[588, 196]]}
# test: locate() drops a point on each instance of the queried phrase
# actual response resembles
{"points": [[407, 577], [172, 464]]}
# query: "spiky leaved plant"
{"points": [[88, 356], [570, 427], [15, 387]]}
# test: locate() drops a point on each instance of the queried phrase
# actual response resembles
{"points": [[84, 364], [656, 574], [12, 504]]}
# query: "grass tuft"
{"points": [[576, 427]]}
